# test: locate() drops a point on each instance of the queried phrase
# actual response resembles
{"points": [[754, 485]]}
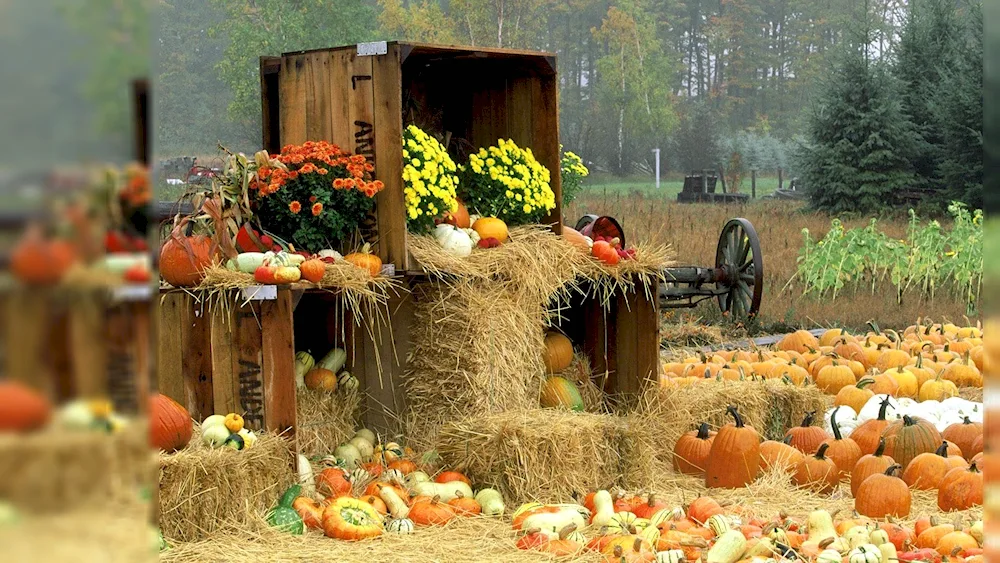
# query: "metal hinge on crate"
{"points": [[372, 49]]}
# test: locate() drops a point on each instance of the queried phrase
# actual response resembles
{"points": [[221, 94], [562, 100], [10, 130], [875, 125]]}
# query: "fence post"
{"points": [[704, 182], [753, 183], [781, 181]]}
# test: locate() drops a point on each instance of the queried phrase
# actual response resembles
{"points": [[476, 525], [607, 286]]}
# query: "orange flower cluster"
{"points": [[319, 157], [137, 191]]}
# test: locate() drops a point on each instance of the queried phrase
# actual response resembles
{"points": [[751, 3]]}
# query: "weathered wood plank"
{"points": [[292, 100], [390, 203], [545, 139], [89, 347], [225, 381], [171, 329], [278, 353], [319, 125], [196, 362], [339, 94], [248, 365]]}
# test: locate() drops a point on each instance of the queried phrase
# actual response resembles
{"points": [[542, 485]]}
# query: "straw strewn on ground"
{"points": [[324, 420], [122, 535], [56, 470], [203, 490]]}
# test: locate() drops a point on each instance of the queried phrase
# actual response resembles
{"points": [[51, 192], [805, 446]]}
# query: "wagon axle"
{"points": [[737, 280]]}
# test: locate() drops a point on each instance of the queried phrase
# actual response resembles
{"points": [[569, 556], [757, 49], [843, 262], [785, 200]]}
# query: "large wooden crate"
{"points": [[85, 344], [362, 101]]}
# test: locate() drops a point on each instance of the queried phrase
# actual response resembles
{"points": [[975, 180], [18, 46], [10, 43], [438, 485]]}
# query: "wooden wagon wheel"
{"points": [[739, 256]]}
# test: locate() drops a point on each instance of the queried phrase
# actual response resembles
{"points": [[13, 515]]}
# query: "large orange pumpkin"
{"points": [[459, 217], [964, 434], [883, 494], [907, 438], [558, 352], [22, 409], [927, 470], [183, 260], [869, 465], [491, 227], [170, 424], [692, 449], [734, 460], [38, 261], [961, 489]]}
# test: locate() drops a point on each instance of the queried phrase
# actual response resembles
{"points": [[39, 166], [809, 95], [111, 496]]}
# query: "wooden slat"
{"points": [[171, 329], [278, 351], [270, 109], [196, 364], [519, 110], [121, 371], [225, 382], [390, 204], [626, 377], [319, 125], [25, 313], [90, 346], [292, 100], [339, 94], [545, 139], [247, 363], [647, 313], [56, 352], [140, 313]]}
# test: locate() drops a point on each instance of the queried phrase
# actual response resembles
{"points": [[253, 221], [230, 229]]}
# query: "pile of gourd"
{"points": [[327, 375], [645, 529], [376, 489], [926, 362], [282, 267], [218, 431], [460, 232]]}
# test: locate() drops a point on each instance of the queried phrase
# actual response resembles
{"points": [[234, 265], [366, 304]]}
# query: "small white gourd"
{"points": [[364, 447], [334, 360], [491, 502], [396, 506], [728, 548], [447, 491], [399, 526], [604, 509], [214, 436], [865, 553]]}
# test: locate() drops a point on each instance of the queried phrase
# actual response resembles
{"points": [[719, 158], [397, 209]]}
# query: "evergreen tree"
{"points": [[857, 155], [929, 42], [957, 112], [696, 143]]}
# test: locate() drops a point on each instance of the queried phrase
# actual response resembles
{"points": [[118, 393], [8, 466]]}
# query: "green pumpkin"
{"points": [[284, 516], [559, 392]]}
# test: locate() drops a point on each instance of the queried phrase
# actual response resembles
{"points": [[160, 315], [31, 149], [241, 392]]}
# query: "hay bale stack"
{"points": [[325, 420], [770, 406], [58, 470], [535, 454], [204, 490]]}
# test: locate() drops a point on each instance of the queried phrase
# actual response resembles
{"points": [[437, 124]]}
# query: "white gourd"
{"points": [[554, 521], [214, 436], [416, 477], [491, 501], [728, 548], [399, 526], [364, 446], [397, 508], [306, 479], [670, 556], [334, 360], [447, 491], [303, 363], [865, 553], [857, 535], [820, 526], [453, 240], [347, 455], [604, 509], [829, 556]]}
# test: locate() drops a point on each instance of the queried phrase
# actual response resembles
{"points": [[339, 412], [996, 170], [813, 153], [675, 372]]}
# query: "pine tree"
{"points": [[957, 111], [929, 42], [857, 155]]}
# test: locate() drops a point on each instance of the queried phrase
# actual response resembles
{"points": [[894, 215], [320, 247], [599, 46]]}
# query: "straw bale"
{"points": [[121, 535], [325, 420], [473, 351], [771, 407], [56, 470], [203, 490], [535, 454], [463, 540], [580, 372]]}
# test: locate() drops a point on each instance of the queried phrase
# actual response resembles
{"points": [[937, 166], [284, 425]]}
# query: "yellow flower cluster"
{"points": [[429, 180], [572, 163], [516, 184]]}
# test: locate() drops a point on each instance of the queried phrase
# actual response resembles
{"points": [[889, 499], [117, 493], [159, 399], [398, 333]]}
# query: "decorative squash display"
{"points": [[22, 409], [431, 512], [491, 227], [313, 270], [351, 519], [961, 489], [780, 455], [734, 460], [927, 470], [283, 516], [183, 260], [806, 438], [869, 465], [170, 425], [800, 341], [558, 352], [559, 392], [964, 435], [855, 396], [909, 437], [365, 260], [692, 449], [453, 240], [834, 377], [574, 237], [817, 472], [844, 452], [868, 433], [883, 494]]}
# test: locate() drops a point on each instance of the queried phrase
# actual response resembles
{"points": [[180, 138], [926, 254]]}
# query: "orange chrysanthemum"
{"points": [[317, 208], [295, 207]]}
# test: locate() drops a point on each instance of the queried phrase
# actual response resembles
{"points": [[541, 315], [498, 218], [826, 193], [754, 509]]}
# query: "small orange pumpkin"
{"points": [[22, 409], [365, 260], [491, 227], [170, 425]]}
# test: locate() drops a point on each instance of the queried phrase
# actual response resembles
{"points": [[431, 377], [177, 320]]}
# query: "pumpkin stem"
{"points": [[871, 324], [893, 469], [826, 543], [834, 425], [965, 420], [736, 416], [787, 439], [973, 468], [808, 420], [565, 532], [864, 382], [942, 450], [883, 407], [881, 448], [908, 421], [618, 551], [637, 545], [821, 452]]}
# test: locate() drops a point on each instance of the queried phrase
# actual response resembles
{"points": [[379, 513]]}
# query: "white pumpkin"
{"points": [[364, 446], [453, 240], [347, 382], [871, 409], [347, 456], [215, 436], [847, 420], [328, 253], [306, 479], [473, 235], [334, 360]]}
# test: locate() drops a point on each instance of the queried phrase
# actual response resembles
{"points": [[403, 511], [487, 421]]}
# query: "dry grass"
{"points": [[204, 490], [325, 420], [119, 535], [693, 231], [463, 540], [55, 470]]}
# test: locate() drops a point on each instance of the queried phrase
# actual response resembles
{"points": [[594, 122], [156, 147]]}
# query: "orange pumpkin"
{"points": [[313, 270], [431, 512], [800, 341], [780, 455], [170, 425], [703, 508], [491, 227], [964, 434], [559, 392], [465, 506], [883, 494], [927, 470], [868, 433], [817, 472], [404, 466], [844, 452], [869, 465], [734, 460], [961, 489], [855, 396], [38, 261], [692, 449], [459, 217], [558, 352], [907, 438], [450, 476], [22, 409], [183, 260], [365, 260], [806, 438]]}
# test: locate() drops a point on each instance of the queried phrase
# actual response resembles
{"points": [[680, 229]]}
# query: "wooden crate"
{"points": [[358, 102], [80, 344]]}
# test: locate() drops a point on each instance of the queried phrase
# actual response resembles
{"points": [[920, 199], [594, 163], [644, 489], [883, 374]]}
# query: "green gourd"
{"points": [[283, 516]]}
